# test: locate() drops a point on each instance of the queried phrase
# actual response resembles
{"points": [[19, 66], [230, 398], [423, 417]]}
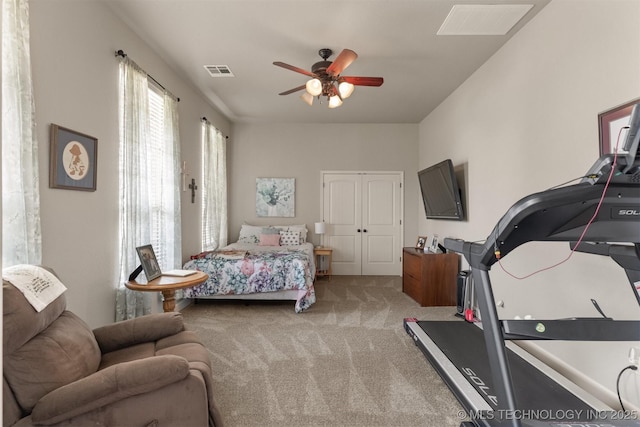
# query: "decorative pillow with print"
{"points": [[250, 234], [289, 238], [302, 229]]}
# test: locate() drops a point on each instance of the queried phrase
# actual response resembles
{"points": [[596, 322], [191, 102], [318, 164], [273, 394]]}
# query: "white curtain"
{"points": [[21, 238], [168, 186], [134, 196], [214, 188], [149, 181]]}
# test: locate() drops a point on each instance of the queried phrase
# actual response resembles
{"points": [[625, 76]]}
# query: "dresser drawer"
{"points": [[412, 265], [412, 287]]}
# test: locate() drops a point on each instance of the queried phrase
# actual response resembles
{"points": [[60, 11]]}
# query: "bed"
{"points": [[267, 263]]}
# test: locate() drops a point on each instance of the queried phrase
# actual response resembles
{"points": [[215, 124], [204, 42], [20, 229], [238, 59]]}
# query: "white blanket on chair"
{"points": [[39, 286]]}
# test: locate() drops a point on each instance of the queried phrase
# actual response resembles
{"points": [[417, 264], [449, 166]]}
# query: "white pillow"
{"points": [[250, 233]]}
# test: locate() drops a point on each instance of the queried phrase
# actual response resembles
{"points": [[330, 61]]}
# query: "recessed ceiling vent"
{"points": [[219, 70], [482, 20]]}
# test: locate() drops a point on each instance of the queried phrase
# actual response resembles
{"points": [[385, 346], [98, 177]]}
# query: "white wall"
{"points": [[526, 121], [301, 151], [75, 77]]}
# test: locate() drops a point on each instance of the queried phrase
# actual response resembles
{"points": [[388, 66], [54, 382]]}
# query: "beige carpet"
{"points": [[346, 361]]}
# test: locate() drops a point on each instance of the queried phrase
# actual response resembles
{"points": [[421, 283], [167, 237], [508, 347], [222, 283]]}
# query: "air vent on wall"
{"points": [[219, 70], [481, 19]]}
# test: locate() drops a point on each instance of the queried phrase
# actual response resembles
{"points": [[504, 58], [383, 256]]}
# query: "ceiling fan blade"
{"points": [[293, 68], [295, 89], [363, 81], [346, 57]]}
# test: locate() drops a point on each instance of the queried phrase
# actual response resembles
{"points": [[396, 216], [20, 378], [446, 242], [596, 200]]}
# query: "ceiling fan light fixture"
{"points": [[307, 97], [335, 101], [314, 87], [345, 89]]}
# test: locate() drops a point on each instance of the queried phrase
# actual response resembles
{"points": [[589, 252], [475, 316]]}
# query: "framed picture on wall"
{"points": [[611, 127], [73, 160], [275, 197]]}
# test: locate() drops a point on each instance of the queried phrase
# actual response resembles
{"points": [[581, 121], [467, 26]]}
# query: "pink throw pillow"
{"points": [[269, 240]]}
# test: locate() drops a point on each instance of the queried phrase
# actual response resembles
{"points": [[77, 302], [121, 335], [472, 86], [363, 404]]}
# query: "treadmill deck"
{"points": [[456, 349]]}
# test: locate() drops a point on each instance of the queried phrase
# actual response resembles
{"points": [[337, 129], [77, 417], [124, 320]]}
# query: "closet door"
{"points": [[342, 196], [381, 224], [363, 215]]}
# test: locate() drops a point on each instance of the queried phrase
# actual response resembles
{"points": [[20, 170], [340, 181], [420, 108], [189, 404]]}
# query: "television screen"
{"points": [[440, 192]]}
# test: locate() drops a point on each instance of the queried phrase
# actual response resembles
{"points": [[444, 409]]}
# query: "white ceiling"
{"points": [[395, 40]]}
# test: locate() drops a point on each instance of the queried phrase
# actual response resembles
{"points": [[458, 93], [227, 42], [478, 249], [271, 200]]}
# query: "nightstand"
{"points": [[319, 253]]}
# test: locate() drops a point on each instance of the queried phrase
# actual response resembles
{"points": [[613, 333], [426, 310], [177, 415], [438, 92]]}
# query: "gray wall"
{"points": [[524, 122], [301, 151], [75, 76]]}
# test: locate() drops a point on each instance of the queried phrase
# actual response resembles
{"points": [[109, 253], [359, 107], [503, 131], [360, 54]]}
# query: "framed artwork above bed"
{"points": [[275, 197]]}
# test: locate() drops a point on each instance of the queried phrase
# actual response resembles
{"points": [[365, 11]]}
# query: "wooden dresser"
{"points": [[430, 278]]}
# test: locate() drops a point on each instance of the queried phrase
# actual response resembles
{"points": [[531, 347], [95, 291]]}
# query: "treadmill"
{"points": [[497, 382]]}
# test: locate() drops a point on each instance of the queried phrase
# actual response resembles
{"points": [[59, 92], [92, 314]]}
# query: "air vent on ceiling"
{"points": [[483, 20], [219, 70]]}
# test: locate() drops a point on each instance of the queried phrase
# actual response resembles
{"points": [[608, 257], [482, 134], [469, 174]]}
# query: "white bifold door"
{"points": [[363, 213]]}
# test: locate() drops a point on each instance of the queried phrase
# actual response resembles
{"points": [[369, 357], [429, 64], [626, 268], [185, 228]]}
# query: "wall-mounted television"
{"points": [[440, 192]]}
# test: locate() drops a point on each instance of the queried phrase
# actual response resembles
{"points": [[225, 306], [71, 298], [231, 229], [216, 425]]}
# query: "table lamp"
{"points": [[321, 228]]}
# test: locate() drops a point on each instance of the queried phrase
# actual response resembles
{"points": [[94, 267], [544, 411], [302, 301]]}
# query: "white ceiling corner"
{"points": [[478, 19]]}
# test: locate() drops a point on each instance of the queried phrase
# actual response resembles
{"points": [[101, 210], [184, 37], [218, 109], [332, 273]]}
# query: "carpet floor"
{"points": [[346, 361]]}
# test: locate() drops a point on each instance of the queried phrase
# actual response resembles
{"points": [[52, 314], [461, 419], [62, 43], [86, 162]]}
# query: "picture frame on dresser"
{"points": [[421, 242], [433, 247]]}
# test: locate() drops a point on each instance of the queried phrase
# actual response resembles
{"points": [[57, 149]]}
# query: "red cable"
{"points": [[604, 191]]}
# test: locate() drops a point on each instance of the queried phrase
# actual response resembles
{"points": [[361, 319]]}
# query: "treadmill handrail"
{"points": [[575, 329], [559, 215]]}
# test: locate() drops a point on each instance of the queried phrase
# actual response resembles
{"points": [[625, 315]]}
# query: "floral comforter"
{"points": [[259, 269]]}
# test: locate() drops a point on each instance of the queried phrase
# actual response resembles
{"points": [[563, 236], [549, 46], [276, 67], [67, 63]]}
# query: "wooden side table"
{"points": [[319, 253], [168, 285]]}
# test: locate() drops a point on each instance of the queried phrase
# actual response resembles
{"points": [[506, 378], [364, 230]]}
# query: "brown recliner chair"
{"points": [[147, 371]]}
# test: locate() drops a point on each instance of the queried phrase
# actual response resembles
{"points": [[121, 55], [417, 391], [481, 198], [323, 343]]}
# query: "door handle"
{"points": [[364, 231], [358, 230]]}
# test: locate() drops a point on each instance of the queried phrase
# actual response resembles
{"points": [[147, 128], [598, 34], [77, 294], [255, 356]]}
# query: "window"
{"points": [[158, 155], [149, 180], [214, 188]]}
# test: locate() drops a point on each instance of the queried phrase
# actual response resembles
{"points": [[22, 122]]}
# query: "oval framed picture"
{"points": [[73, 160]]}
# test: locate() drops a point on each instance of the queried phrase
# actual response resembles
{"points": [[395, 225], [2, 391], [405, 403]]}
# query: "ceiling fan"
{"points": [[326, 80]]}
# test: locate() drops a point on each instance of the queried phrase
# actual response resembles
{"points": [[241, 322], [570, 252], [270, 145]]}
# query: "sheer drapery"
{"points": [[134, 196], [149, 181], [168, 189], [214, 188], [21, 237]]}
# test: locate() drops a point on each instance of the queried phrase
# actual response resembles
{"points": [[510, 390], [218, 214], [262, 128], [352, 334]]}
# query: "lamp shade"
{"points": [[335, 101], [307, 97], [321, 228], [345, 89], [314, 87]]}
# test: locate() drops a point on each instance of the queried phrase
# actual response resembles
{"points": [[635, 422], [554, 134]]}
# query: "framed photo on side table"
{"points": [[611, 124], [149, 262], [73, 160], [421, 242]]}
